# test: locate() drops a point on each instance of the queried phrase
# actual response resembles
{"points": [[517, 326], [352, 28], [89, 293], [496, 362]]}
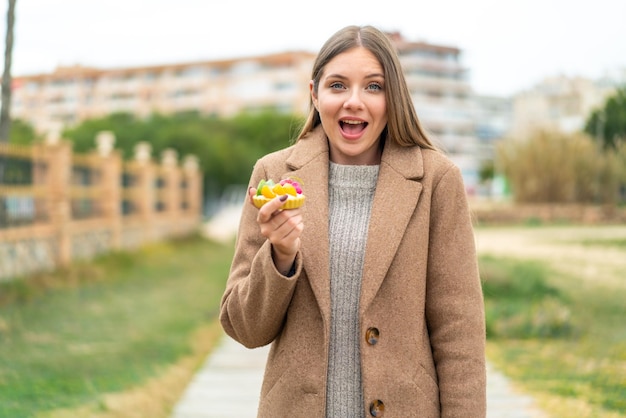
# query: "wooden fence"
{"points": [[57, 206]]}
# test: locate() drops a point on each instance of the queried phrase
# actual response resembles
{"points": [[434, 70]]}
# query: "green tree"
{"points": [[5, 101], [608, 124], [226, 148], [128, 131], [5, 110], [22, 133], [486, 171]]}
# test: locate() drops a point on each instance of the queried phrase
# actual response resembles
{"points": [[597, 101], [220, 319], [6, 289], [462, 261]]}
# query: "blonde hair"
{"points": [[403, 125]]}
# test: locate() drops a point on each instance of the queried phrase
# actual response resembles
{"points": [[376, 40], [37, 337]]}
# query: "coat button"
{"points": [[371, 336], [377, 408]]}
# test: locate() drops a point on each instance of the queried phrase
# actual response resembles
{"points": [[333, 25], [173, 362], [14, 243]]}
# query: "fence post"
{"points": [[111, 196], [145, 186], [194, 186], [42, 211], [172, 193], [59, 162]]}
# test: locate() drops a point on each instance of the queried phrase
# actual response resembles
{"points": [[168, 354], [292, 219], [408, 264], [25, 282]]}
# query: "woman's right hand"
{"points": [[282, 228]]}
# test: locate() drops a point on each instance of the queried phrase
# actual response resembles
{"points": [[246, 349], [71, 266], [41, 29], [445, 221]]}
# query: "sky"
{"points": [[507, 45]]}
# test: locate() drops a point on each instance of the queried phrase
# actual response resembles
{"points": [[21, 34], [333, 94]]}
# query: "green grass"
{"points": [[519, 303], [617, 242], [564, 343], [105, 326]]}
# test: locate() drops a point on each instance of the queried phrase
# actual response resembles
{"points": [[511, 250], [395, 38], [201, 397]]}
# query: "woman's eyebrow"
{"points": [[343, 77]]}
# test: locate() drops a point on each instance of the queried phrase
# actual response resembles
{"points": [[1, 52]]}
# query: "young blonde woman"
{"points": [[369, 294]]}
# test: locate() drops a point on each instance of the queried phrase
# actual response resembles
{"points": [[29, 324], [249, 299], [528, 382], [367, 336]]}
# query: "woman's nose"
{"points": [[353, 101]]}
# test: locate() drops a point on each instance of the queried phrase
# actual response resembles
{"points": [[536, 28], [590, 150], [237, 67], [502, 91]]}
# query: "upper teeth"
{"points": [[352, 122]]}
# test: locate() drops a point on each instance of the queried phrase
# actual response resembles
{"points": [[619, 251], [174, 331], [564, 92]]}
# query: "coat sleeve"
{"points": [[454, 303], [257, 295]]}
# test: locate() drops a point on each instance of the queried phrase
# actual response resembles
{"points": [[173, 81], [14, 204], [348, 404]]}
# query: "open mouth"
{"points": [[352, 127]]}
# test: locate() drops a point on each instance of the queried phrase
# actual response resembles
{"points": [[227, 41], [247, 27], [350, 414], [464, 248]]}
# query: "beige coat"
{"points": [[421, 291]]}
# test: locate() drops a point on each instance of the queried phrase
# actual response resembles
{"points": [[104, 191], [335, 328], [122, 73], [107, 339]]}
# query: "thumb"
{"points": [[251, 193]]}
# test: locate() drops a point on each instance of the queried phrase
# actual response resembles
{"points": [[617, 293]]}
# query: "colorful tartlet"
{"points": [[268, 190]]}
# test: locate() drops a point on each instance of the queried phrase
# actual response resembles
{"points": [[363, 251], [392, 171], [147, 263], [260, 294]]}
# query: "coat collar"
{"points": [[406, 160], [396, 196]]}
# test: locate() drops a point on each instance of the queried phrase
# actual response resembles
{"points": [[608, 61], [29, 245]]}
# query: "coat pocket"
{"points": [[291, 395], [427, 386]]}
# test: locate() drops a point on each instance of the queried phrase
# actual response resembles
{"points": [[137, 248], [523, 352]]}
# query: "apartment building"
{"points": [[559, 103], [437, 80], [443, 99], [70, 95]]}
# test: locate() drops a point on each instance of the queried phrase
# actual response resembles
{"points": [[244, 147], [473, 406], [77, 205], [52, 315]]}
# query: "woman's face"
{"points": [[352, 106]]}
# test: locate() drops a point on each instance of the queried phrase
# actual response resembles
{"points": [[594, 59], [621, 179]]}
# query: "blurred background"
{"points": [[131, 127], [479, 72]]}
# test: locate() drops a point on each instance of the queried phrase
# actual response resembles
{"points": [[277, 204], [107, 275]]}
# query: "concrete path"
{"points": [[228, 386]]}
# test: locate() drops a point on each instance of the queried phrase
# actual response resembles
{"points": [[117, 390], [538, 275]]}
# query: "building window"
{"points": [[192, 72], [32, 87], [284, 86], [245, 68]]}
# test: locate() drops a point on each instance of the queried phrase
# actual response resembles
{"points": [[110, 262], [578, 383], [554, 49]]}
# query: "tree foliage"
{"points": [[608, 124], [22, 133], [226, 148], [554, 167]]}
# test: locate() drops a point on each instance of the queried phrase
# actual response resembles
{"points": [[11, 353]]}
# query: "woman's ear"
{"points": [[313, 94]]}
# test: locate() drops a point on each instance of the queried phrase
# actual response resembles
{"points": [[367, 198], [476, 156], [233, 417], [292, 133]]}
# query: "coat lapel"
{"points": [[397, 193], [309, 162]]}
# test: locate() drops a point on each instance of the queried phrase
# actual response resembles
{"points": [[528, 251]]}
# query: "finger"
{"points": [[251, 193], [286, 217], [286, 240], [292, 232], [289, 222], [281, 225], [270, 208]]}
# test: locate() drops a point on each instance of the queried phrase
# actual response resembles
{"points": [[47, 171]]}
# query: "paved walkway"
{"points": [[228, 386]]}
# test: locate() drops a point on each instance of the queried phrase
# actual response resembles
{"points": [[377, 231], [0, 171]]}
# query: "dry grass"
{"points": [[579, 374]]}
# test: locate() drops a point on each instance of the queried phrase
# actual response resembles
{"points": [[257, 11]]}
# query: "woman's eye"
{"points": [[336, 85], [374, 86]]}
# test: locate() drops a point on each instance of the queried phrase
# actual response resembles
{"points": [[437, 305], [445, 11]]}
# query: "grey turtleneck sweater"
{"points": [[351, 192]]}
